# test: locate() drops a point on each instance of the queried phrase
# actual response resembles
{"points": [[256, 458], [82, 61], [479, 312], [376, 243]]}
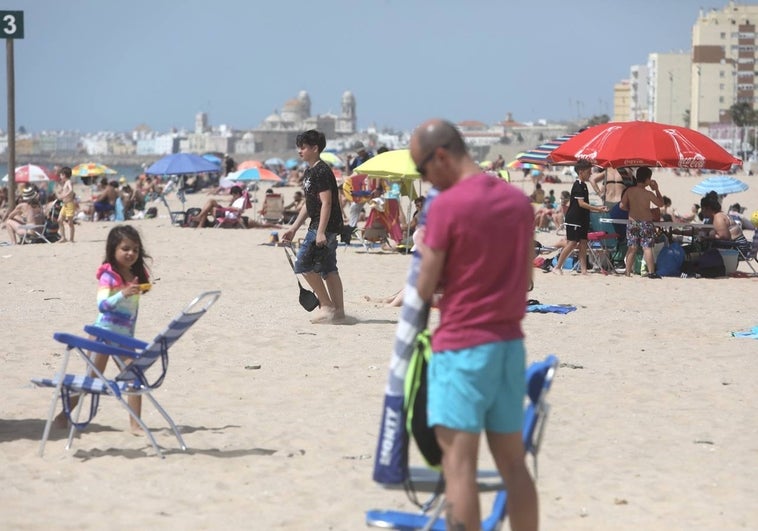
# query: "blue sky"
{"points": [[93, 65]]}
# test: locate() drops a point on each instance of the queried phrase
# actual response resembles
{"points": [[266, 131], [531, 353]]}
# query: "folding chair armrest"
{"points": [[120, 339], [95, 346]]}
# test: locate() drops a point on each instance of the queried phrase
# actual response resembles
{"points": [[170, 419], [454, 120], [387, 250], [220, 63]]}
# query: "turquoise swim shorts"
{"points": [[478, 388]]}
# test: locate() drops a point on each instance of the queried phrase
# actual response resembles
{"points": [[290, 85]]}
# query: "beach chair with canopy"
{"points": [[539, 378], [133, 357]]}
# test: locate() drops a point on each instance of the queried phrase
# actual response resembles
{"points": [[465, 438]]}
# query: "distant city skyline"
{"points": [[89, 65]]}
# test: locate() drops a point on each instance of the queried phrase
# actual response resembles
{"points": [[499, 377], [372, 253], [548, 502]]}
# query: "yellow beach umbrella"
{"points": [[331, 158], [396, 164]]}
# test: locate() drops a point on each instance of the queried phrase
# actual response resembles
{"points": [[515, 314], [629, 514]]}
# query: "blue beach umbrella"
{"points": [[721, 184], [181, 164], [212, 158], [291, 164], [275, 161]]}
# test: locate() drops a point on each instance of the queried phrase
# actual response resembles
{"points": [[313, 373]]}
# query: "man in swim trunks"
{"points": [[641, 231], [476, 375]]}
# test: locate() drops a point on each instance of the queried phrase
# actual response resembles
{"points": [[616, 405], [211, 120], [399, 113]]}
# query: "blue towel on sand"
{"points": [[752, 333], [550, 308]]}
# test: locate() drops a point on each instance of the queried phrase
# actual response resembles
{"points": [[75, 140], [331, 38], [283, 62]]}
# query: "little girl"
{"points": [[122, 276]]}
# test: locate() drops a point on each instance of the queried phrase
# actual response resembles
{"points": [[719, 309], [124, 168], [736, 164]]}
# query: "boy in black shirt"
{"points": [[317, 257]]}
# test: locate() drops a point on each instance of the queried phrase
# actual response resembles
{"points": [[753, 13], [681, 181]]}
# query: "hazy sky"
{"points": [[110, 65]]}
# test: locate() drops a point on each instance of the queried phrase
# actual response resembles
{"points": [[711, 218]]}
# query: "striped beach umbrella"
{"points": [[539, 154], [721, 184], [31, 173]]}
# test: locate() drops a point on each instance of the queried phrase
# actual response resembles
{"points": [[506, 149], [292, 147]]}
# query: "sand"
{"points": [[651, 427]]}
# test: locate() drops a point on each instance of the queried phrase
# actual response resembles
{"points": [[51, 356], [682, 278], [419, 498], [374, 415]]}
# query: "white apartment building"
{"points": [[723, 63], [668, 83], [638, 93]]}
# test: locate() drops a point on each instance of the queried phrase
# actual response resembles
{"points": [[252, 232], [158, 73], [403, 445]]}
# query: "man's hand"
{"points": [[320, 239], [287, 236]]}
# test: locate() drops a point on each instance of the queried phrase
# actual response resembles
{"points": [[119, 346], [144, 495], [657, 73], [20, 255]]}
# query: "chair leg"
{"points": [[170, 421], [56, 394], [142, 425], [50, 417]]}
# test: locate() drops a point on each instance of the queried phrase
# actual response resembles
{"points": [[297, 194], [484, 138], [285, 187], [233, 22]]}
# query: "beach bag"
{"points": [[306, 298], [188, 215], [414, 404], [711, 264], [670, 260]]}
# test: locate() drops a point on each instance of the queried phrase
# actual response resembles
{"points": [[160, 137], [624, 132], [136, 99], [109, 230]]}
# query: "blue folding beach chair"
{"points": [[539, 378], [134, 358]]}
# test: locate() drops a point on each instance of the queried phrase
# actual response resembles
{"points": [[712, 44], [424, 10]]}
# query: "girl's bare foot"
{"points": [[136, 429]]}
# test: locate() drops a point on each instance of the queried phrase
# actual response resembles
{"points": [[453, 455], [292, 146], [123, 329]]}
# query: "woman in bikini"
{"points": [[616, 181], [725, 229]]}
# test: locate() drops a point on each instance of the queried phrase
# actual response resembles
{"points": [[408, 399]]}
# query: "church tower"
{"points": [[346, 123]]}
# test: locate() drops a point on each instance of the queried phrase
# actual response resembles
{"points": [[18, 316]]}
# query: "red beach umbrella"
{"points": [[621, 144]]}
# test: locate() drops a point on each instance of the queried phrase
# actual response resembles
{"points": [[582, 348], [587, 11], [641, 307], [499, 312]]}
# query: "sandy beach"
{"points": [[651, 424]]}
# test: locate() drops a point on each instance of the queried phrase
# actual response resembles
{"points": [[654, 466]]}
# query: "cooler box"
{"points": [[729, 256]]}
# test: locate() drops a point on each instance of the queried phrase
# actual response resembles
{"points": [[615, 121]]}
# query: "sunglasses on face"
{"points": [[421, 166]]}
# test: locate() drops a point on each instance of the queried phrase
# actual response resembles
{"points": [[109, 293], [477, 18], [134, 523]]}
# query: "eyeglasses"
{"points": [[421, 166]]}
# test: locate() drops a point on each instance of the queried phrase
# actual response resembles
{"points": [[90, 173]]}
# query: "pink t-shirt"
{"points": [[484, 225]]}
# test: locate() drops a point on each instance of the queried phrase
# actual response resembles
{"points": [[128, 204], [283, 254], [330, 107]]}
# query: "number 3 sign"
{"points": [[11, 24]]}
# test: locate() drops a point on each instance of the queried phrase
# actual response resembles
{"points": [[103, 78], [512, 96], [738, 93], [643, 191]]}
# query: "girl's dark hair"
{"points": [[115, 237]]}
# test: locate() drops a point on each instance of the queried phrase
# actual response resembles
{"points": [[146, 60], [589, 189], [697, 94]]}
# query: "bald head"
{"points": [[438, 133]]}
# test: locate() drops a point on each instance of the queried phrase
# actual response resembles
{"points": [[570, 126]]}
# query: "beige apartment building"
{"points": [[622, 101], [723, 63]]}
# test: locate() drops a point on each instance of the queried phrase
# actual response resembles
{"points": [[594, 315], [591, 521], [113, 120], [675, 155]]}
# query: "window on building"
{"points": [[721, 99], [721, 73], [722, 86]]}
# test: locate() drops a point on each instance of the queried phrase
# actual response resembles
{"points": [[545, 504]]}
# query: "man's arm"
{"points": [[432, 262], [655, 195], [290, 233]]}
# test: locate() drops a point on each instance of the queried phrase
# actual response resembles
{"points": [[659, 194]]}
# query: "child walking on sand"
{"points": [[66, 194], [120, 277]]}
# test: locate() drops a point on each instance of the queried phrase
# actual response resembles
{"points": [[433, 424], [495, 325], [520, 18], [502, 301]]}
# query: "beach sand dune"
{"points": [[651, 426]]}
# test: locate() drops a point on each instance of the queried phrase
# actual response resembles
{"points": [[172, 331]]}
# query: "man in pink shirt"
{"points": [[478, 247]]}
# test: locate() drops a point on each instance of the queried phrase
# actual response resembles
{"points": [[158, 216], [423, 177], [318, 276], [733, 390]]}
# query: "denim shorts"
{"points": [[312, 259], [478, 388]]}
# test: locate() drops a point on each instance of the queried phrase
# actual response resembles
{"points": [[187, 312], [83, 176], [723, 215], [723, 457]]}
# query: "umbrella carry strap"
{"points": [[292, 265]]}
